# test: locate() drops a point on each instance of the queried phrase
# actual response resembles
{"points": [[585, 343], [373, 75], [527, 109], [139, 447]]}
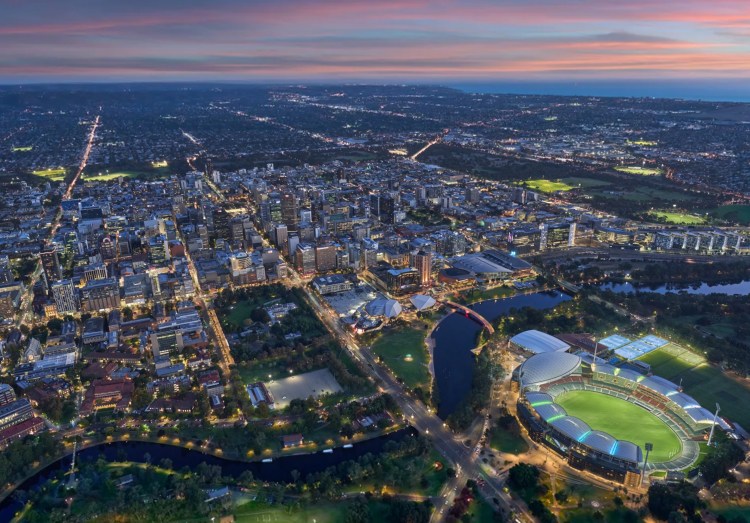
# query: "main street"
{"points": [[450, 446], [422, 418], [25, 310]]}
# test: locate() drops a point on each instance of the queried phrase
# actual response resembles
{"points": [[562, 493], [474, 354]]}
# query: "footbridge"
{"points": [[471, 313]]}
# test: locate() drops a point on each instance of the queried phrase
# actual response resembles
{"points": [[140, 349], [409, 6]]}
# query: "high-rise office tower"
{"points": [[51, 265], [422, 261], [65, 295], [290, 210]]}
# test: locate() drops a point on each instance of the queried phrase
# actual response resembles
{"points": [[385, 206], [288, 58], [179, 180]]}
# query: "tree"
{"points": [[523, 477], [357, 511]]}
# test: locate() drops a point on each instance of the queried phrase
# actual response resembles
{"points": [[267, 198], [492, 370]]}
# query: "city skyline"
{"points": [[403, 41]]}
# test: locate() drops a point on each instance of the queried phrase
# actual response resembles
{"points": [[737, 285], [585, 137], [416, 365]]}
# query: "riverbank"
{"points": [[188, 446], [455, 336]]}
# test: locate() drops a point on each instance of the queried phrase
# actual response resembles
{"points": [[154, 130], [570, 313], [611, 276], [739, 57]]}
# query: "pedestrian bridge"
{"points": [[471, 313]]}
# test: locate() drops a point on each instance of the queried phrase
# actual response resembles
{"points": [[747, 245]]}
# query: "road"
{"points": [[25, 310], [448, 444]]}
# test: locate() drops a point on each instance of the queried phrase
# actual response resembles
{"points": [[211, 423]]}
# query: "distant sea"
{"points": [[719, 90]]}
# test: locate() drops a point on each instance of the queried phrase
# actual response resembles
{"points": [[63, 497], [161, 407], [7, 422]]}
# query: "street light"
{"points": [[649, 448]]}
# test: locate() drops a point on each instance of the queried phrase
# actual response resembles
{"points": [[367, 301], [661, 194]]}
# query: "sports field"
{"points": [[622, 420], [704, 382], [634, 169], [679, 218]]}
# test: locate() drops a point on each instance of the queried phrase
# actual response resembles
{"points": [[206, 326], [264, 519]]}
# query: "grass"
{"points": [[547, 186], [256, 512], [54, 174], [705, 383], [585, 183], [506, 441], [734, 512], [108, 176], [239, 312], [679, 218], [634, 169], [623, 420], [586, 515], [734, 213], [645, 194], [22, 149], [403, 351]]}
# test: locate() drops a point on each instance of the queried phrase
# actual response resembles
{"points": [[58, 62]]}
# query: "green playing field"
{"points": [[622, 420]]}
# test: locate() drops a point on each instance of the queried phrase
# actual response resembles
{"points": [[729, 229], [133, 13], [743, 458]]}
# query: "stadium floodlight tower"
{"points": [[649, 447], [713, 425]]}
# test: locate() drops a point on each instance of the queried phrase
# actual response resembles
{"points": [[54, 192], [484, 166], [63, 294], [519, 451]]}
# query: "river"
{"points": [[456, 335], [732, 289], [279, 470]]}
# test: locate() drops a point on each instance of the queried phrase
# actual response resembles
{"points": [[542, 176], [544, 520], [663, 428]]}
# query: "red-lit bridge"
{"points": [[471, 313]]}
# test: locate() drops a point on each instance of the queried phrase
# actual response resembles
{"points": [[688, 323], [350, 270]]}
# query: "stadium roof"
{"points": [[478, 264], [603, 442], [537, 342], [546, 367], [422, 302], [574, 428]]}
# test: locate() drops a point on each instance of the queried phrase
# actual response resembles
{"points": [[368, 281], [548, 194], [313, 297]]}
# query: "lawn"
{"points": [[634, 169], [255, 512], [730, 513], [403, 351], [585, 183], [54, 174], [108, 176], [623, 420], [506, 441], [547, 186], [642, 143], [238, 313], [735, 213], [705, 383], [679, 218], [645, 194]]}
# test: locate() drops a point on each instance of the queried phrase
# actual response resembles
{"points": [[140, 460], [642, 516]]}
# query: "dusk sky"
{"points": [[405, 40]]}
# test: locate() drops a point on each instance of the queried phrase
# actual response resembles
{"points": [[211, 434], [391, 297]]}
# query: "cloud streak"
{"points": [[384, 40]]}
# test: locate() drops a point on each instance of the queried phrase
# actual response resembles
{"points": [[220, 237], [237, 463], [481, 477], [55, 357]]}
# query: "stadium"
{"points": [[600, 417]]}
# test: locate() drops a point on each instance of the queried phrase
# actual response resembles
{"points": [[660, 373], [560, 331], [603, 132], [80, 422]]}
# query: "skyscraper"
{"points": [[51, 265], [65, 295], [290, 210], [422, 261]]}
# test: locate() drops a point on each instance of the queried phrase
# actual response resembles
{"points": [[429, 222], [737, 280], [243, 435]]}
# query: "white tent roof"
{"points": [[422, 302]]}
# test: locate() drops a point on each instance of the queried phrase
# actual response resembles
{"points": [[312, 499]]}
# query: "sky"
{"points": [[379, 41]]}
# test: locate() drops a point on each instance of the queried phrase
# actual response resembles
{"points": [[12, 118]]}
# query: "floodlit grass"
{"points": [[634, 169], [107, 176], [735, 213], [404, 352], [623, 420], [679, 218], [547, 186], [705, 383], [22, 149], [54, 174]]}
